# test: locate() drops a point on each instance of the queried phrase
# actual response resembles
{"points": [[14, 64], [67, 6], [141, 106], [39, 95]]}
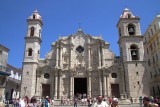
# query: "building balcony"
{"points": [[4, 71]]}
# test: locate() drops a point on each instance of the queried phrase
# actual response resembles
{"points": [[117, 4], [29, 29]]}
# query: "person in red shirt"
{"points": [[110, 100]]}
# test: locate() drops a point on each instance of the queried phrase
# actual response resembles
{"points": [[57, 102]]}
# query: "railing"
{"points": [[3, 68]]}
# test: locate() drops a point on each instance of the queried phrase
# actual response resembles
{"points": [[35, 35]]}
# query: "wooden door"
{"points": [[115, 90], [45, 90]]}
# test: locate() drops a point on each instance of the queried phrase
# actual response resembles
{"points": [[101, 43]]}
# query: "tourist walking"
{"points": [[75, 102], [43, 102], [100, 102], [24, 102], [147, 103], [131, 99], [33, 102], [114, 103]]}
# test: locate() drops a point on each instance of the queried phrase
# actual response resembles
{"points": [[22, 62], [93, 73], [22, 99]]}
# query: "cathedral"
{"points": [[83, 64]]}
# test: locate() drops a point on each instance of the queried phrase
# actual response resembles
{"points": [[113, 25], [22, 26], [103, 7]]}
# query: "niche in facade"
{"points": [[46, 75]]}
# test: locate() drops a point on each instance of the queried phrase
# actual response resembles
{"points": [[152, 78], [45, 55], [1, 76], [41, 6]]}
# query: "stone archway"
{"points": [[80, 87]]}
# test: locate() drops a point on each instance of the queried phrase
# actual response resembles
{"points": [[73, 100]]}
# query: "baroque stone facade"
{"points": [[82, 64]]}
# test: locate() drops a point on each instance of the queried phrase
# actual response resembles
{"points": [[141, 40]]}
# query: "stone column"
{"points": [[70, 55], [60, 81], [89, 53], [104, 85], [100, 83], [71, 91], [89, 85], [61, 60], [57, 56], [123, 82], [56, 87], [103, 58], [73, 86], [107, 76], [89, 57], [99, 55], [38, 86]]}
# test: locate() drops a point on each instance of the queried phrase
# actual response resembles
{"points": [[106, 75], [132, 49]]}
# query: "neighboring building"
{"points": [[10, 77], [152, 55], [83, 65], [3, 70], [13, 85]]}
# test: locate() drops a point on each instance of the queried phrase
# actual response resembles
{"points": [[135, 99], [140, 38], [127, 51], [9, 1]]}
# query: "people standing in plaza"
{"points": [[52, 102], [47, 101], [33, 102], [24, 102], [75, 102], [89, 102], [62, 102], [110, 100], [100, 102], [114, 103], [43, 102], [140, 100], [131, 99], [158, 101], [147, 102]]}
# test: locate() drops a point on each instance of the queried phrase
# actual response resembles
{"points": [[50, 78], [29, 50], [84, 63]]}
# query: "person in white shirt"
{"points": [[23, 102], [100, 102], [114, 103]]}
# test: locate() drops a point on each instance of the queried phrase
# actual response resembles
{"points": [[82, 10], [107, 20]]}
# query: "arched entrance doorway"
{"points": [[80, 87]]}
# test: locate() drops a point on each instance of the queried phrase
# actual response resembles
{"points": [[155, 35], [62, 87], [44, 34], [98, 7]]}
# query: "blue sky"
{"points": [[62, 17]]}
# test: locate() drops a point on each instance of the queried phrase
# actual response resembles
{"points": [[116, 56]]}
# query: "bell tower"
{"points": [[132, 54], [31, 54]]}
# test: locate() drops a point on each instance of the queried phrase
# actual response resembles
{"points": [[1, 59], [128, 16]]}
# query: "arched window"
{"points": [[29, 52], [32, 31], [131, 29], [39, 33], [134, 52], [34, 16], [114, 75], [129, 15], [119, 31], [46, 75]]}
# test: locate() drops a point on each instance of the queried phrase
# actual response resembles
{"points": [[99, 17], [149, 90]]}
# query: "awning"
{"points": [[4, 73]]}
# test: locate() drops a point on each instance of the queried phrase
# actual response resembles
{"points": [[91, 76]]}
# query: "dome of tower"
{"points": [[126, 10], [35, 15], [127, 14]]}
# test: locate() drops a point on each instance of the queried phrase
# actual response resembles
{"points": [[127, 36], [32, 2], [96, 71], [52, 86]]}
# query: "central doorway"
{"points": [[115, 90], [80, 87], [45, 90]]}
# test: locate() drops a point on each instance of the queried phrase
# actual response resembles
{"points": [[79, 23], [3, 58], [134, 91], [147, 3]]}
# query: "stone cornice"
{"points": [[130, 37], [37, 39], [135, 61], [121, 19], [35, 20]]}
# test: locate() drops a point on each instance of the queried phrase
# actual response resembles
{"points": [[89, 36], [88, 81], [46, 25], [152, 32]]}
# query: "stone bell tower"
{"points": [[132, 54], [31, 54]]}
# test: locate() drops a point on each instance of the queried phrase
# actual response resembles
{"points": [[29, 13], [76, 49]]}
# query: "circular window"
{"points": [[46, 75], [114, 75]]}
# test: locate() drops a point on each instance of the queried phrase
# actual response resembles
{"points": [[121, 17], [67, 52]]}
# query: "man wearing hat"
{"points": [[146, 103], [114, 103], [100, 102]]}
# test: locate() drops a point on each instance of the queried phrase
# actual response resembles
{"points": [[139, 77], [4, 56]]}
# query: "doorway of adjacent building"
{"points": [[115, 90], [45, 90], [80, 87]]}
